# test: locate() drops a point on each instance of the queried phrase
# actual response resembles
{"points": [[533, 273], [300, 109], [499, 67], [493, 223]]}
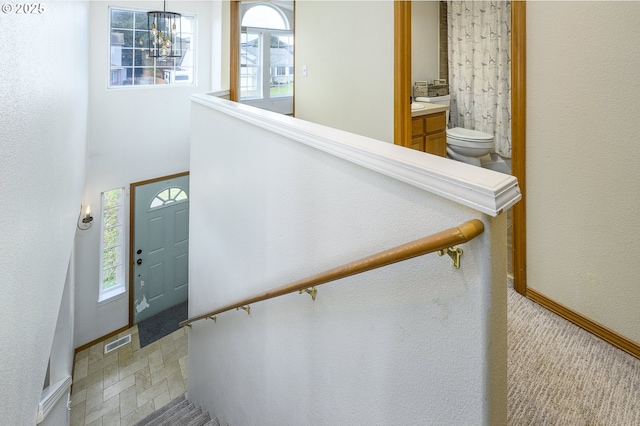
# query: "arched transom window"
{"points": [[265, 16], [168, 196]]}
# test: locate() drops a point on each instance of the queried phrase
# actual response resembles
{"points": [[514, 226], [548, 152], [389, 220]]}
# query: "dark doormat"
{"points": [[159, 325]]}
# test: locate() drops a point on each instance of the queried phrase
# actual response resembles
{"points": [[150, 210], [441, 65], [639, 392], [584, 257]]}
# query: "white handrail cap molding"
{"points": [[485, 190]]}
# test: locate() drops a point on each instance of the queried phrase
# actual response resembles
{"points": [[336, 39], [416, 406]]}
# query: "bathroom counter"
{"points": [[429, 109]]}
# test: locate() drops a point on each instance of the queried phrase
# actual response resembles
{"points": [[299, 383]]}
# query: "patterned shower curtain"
{"points": [[480, 68]]}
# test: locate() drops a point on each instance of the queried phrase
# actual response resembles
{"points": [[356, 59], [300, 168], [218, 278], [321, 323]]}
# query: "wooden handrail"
{"points": [[442, 240]]}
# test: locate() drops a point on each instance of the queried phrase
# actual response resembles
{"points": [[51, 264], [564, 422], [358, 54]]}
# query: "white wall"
{"points": [[347, 48], [414, 343], [583, 179], [425, 39], [43, 92], [134, 134]]}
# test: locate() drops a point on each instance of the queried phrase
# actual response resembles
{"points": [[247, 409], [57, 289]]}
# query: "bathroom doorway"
{"points": [[402, 117]]}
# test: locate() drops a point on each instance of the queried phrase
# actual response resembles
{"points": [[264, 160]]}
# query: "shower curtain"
{"points": [[480, 68]]}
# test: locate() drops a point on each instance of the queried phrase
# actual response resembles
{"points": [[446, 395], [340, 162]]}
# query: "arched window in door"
{"points": [[266, 54], [168, 196]]}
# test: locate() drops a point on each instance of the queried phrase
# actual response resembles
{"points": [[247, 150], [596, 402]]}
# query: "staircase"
{"points": [[178, 412]]}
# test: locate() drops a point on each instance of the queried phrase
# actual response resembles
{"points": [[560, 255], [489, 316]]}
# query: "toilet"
{"points": [[464, 145]]}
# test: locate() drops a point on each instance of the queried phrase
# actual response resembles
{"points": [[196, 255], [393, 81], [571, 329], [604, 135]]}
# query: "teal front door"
{"points": [[160, 246]]}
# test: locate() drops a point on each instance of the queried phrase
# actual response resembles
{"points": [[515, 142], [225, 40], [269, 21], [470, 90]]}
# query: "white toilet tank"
{"points": [[440, 100]]}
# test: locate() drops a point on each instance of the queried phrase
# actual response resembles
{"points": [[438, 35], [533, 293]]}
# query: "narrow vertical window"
{"points": [[251, 65], [111, 241]]}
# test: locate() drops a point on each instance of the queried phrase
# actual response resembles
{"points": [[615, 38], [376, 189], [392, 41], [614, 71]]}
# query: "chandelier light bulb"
{"points": [[163, 32]]}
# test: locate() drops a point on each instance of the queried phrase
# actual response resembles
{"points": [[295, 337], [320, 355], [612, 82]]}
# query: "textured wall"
{"points": [[413, 343], [134, 134], [583, 178], [43, 93]]}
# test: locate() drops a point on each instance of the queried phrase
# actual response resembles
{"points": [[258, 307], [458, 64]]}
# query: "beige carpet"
{"points": [[559, 374]]}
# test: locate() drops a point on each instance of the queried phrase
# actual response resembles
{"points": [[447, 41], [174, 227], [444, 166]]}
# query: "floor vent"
{"points": [[118, 343]]}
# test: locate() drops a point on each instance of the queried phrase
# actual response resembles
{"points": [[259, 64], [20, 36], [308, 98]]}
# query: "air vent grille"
{"points": [[118, 343]]}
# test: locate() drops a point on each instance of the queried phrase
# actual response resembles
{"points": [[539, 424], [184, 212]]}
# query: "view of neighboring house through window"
{"points": [[111, 241], [266, 53], [130, 63]]}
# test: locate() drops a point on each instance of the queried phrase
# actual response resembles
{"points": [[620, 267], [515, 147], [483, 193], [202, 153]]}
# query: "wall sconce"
{"points": [[86, 220]]}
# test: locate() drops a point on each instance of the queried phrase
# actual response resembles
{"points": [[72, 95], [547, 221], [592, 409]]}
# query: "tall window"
{"points": [[130, 64], [266, 54], [111, 240]]}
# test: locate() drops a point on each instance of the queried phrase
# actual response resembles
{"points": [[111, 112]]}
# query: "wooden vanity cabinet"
{"points": [[429, 133]]}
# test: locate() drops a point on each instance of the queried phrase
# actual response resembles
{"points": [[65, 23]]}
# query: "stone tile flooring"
{"points": [[128, 384]]}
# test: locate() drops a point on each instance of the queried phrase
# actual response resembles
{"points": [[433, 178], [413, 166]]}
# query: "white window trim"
{"points": [[194, 81], [264, 36], [113, 293]]}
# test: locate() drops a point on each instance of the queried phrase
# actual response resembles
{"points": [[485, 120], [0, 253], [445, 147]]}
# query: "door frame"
{"points": [[402, 115], [234, 51], [132, 254]]}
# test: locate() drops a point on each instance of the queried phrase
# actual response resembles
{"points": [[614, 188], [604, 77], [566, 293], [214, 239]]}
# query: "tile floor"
{"points": [[128, 384]]}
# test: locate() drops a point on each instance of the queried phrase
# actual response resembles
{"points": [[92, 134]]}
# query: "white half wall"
{"points": [[134, 134], [61, 359], [418, 342], [583, 179], [43, 128], [347, 49]]}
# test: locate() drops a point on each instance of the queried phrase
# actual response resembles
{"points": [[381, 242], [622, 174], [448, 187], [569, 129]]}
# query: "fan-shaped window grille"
{"points": [[168, 196], [265, 16]]}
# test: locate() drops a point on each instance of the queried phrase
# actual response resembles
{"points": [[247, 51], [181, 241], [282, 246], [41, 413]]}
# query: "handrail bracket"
{"points": [[246, 308], [430, 244], [455, 253], [312, 291]]}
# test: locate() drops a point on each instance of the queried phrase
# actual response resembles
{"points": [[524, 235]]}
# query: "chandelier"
{"points": [[165, 34]]}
